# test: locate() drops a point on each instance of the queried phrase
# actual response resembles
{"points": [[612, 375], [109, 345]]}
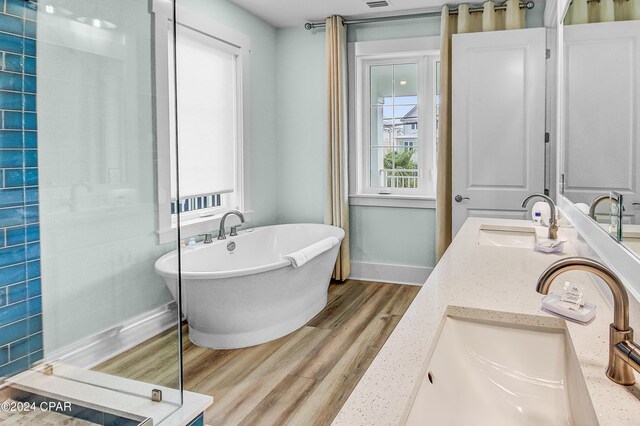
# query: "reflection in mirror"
{"points": [[607, 210], [601, 54], [600, 208], [617, 208]]}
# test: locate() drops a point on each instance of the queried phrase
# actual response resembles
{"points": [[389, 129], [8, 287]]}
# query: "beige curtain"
{"points": [[337, 205], [585, 12], [489, 19]]}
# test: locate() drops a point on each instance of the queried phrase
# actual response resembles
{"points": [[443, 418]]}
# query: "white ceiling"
{"points": [[291, 13]]}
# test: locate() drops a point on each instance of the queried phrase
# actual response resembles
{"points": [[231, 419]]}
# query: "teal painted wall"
{"points": [[262, 112], [96, 171], [535, 16], [393, 235], [301, 125], [405, 28]]}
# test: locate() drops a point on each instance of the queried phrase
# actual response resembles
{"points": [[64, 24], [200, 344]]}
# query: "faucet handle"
{"points": [[234, 230], [208, 237]]}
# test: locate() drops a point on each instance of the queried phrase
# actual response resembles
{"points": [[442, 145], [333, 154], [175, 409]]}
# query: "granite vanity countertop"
{"points": [[492, 279]]}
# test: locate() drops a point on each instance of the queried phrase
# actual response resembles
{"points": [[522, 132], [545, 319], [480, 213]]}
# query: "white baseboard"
{"points": [[105, 345], [386, 273]]}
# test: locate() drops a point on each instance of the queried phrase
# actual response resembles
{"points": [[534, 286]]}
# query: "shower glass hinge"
{"points": [[547, 138], [156, 395], [547, 53]]}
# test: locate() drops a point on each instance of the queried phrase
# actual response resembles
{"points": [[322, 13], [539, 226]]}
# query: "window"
{"points": [[209, 79], [395, 119], [209, 124]]}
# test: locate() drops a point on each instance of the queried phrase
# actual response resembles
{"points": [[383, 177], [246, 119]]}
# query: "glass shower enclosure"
{"points": [[91, 321]]}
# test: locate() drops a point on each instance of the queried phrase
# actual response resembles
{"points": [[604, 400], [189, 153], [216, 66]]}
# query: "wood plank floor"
{"points": [[303, 378]]}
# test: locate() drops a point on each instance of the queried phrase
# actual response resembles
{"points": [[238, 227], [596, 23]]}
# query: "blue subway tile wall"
{"points": [[20, 285]]}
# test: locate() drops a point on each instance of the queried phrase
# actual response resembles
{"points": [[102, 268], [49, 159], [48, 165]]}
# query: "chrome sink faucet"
{"points": [[553, 220], [233, 232], [624, 353]]}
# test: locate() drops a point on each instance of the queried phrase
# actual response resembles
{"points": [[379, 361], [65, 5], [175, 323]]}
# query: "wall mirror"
{"points": [[600, 114]]}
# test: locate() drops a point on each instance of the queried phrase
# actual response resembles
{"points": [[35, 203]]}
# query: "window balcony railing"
{"points": [[399, 178], [195, 203]]}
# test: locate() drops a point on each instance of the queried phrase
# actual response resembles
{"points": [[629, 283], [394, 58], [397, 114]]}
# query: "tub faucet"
{"points": [[233, 232], [624, 353], [553, 220]]}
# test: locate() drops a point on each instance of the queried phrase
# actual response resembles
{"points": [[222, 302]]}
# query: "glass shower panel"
{"points": [[109, 320]]}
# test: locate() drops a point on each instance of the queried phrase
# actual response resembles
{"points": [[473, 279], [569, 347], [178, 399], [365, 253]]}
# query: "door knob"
{"points": [[459, 198]]}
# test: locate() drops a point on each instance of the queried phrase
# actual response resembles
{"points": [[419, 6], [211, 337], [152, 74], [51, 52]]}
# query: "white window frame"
{"points": [[424, 51], [205, 220]]}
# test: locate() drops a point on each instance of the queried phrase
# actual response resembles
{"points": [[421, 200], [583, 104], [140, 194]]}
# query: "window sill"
{"points": [[401, 201], [202, 225]]}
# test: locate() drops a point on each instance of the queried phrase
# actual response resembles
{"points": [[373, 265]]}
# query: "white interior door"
{"points": [[601, 109], [498, 122]]}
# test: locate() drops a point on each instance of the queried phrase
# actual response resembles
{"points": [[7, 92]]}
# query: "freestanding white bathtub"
{"points": [[234, 297]]}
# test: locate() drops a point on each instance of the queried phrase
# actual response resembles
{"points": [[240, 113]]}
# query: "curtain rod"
{"points": [[529, 4]]}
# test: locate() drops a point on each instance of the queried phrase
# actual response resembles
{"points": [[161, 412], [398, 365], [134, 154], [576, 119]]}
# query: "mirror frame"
{"points": [[615, 254]]}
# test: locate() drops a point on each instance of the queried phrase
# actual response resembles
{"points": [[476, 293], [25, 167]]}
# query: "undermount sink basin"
{"points": [[507, 236], [498, 373]]}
